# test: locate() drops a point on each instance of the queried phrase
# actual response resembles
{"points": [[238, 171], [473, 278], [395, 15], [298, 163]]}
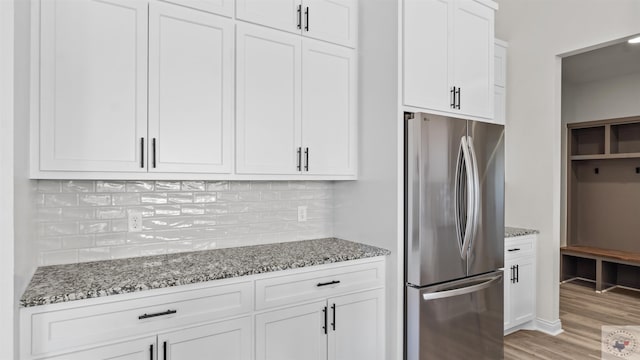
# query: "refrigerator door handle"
{"points": [[457, 291], [476, 191], [466, 237]]}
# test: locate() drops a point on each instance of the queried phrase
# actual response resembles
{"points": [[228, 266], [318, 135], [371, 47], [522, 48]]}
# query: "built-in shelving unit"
{"points": [[603, 203]]}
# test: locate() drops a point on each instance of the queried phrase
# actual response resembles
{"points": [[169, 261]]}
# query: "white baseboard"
{"points": [[553, 328], [529, 325]]}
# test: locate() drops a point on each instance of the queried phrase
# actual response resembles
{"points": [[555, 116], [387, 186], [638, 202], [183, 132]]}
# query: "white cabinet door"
{"points": [[141, 349], [222, 7], [229, 340], [328, 108], [356, 326], [523, 291], [331, 20], [426, 54], [93, 85], [473, 40], [499, 98], [293, 333], [190, 90], [280, 14], [509, 276], [268, 95]]}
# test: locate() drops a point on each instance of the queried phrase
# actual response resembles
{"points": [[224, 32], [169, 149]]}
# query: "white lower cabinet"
{"points": [[229, 340], [340, 328], [333, 311], [293, 333], [519, 283], [140, 349]]}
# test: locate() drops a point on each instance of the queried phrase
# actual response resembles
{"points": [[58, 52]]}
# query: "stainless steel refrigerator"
{"points": [[454, 238]]}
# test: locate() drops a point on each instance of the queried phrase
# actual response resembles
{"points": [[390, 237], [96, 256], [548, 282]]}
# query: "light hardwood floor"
{"points": [[582, 313]]}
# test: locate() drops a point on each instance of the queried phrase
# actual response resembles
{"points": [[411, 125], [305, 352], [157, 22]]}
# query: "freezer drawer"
{"points": [[457, 320]]}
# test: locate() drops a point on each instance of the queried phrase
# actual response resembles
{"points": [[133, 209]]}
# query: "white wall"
{"points": [[538, 31], [6, 181], [24, 189], [605, 99], [367, 210]]}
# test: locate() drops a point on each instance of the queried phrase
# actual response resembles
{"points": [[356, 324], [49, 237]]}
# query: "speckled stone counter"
{"points": [[513, 232], [60, 283]]}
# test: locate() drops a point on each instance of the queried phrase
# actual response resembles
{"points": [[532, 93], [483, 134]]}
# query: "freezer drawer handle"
{"points": [[329, 283], [461, 291], [146, 316]]}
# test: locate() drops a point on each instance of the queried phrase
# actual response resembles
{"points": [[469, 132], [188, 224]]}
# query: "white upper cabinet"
{"points": [[190, 90], [448, 56], [93, 85], [221, 7], [473, 58], [280, 14], [329, 20], [268, 101], [426, 53], [328, 109], [500, 87], [296, 104]]}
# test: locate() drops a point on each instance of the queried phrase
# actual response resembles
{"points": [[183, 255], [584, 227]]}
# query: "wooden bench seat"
{"points": [[607, 268]]}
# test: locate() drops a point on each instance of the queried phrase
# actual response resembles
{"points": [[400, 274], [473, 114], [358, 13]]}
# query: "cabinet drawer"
{"points": [[53, 331], [283, 290], [519, 246]]}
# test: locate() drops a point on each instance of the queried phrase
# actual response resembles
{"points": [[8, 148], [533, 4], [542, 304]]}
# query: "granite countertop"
{"points": [[61, 283], [513, 232]]}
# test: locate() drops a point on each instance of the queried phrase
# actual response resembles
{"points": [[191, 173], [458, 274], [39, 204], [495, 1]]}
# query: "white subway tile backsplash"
{"points": [[55, 200], [110, 186], [217, 185], [167, 185], [93, 227], [87, 220], [153, 198], [139, 186], [78, 186], [193, 186], [78, 213], [94, 200], [180, 198], [125, 199], [94, 254], [78, 242], [111, 213]]}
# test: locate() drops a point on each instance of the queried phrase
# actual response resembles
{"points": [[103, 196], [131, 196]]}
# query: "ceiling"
{"points": [[607, 62]]}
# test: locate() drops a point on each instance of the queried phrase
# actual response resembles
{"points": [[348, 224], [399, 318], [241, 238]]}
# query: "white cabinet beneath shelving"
{"points": [[520, 283], [448, 56]]}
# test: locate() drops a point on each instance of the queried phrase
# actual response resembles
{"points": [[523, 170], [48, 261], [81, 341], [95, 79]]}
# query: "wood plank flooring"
{"points": [[582, 313]]}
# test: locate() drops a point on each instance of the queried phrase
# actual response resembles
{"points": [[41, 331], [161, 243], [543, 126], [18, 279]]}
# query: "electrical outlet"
{"points": [[135, 221], [302, 213]]}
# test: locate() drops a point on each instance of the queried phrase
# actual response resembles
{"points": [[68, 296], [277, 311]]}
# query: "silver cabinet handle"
{"points": [[461, 291], [306, 161]]}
